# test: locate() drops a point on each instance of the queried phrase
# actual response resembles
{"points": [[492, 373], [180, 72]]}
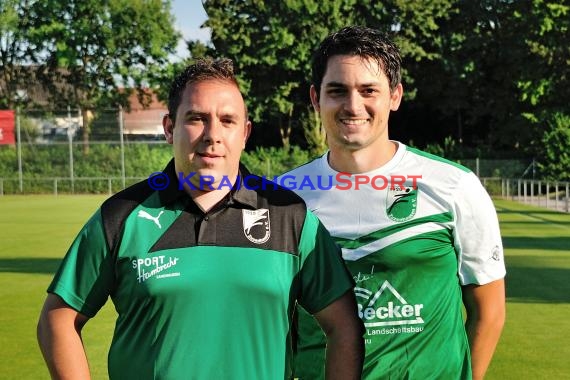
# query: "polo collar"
{"points": [[240, 192], [173, 191]]}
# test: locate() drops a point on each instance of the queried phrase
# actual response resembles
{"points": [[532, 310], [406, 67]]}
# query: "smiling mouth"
{"points": [[353, 122]]}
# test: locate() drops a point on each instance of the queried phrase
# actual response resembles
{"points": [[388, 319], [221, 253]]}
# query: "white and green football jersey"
{"points": [[412, 232]]}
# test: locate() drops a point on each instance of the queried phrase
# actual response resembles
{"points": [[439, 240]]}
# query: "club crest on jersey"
{"points": [[401, 203], [256, 226]]}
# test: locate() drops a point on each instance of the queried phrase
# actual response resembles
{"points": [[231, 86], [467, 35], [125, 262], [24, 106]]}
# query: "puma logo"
{"points": [[145, 215]]}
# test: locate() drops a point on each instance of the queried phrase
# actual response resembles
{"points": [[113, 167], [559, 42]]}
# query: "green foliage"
{"points": [[486, 73], [472, 83], [543, 84], [493, 187], [315, 133], [554, 159], [8, 161], [272, 42], [166, 73], [13, 53], [29, 129], [273, 161], [43, 163], [88, 49], [449, 148]]}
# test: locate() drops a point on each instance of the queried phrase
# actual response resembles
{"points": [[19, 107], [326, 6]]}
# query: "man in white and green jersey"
{"points": [[205, 273], [419, 234]]}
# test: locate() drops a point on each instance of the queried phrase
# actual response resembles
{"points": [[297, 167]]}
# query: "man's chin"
{"points": [[352, 143], [208, 180]]}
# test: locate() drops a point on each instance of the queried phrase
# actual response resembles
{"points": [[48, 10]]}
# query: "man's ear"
{"points": [[314, 98], [168, 127], [247, 132], [396, 97]]}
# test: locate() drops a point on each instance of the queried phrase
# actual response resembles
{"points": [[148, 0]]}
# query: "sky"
{"points": [[189, 15]]}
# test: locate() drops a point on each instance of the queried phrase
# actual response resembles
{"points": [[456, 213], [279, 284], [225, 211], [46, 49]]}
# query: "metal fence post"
{"points": [[477, 166], [121, 131], [567, 197], [19, 148], [556, 195], [70, 140]]}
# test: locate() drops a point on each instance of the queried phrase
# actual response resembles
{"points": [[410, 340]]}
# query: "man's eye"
{"points": [[336, 91]]}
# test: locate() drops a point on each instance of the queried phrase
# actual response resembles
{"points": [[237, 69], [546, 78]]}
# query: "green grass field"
{"points": [[36, 231]]}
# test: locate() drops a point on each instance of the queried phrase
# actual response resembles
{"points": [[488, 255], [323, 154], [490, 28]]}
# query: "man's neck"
{"points": [[206, 200], [362, 160]]}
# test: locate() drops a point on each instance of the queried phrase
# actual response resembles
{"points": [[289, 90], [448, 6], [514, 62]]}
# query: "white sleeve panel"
{"points": [[477, 234]]}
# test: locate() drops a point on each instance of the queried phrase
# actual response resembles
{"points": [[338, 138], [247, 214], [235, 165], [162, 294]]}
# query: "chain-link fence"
{"points": [[54, 154], [39, 126], [126, 147], [504, 168]]}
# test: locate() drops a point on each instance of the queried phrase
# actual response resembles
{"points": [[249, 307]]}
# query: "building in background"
{"points": [[144, 120]]}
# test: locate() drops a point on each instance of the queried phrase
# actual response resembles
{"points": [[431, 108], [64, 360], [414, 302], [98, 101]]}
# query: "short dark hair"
{"points": [[202, 69], [359, 41]]}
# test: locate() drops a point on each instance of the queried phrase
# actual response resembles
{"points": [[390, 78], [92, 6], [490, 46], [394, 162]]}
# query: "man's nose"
{"points": [[354, 104], [212, 131]]}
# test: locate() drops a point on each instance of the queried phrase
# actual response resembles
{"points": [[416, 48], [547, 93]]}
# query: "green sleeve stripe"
{"points": [[323, 274], [88, 255], [308, 241], [445, 217]]}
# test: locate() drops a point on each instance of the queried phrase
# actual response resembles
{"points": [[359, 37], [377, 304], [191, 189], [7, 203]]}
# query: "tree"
{"points": [[272, 42], [416, 28], [90, 48], [543, 84], [502, 62], [554, 151], [166, 73], [485, 73], [13, 52]]}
